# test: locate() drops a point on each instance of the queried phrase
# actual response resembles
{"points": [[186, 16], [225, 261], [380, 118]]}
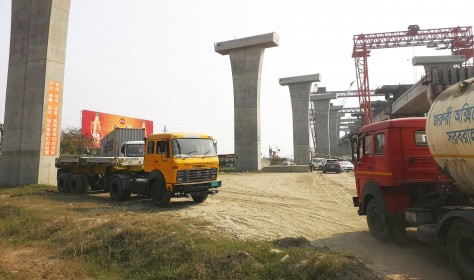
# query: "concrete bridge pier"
{"points": [[35, 82], [300, 87], [246, 58], [334, 128], [321, 110]]}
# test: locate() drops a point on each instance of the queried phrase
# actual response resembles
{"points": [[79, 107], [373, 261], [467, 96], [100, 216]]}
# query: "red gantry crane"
{"points": [[458, 39]]}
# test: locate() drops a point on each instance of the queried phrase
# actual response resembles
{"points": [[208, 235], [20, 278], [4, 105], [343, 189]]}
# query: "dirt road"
{"points": [[316, 206]]}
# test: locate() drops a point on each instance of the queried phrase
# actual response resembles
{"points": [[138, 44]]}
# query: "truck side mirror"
{"points": [[122, 149]]}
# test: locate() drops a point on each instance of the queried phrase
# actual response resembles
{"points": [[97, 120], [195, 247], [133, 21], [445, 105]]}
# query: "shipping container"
{"points": [[112, 142]]}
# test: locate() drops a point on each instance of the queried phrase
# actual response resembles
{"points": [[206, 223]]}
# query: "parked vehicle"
{"points": [[332, 165], [419, 172], [174, 165], [288, 162], [346, 165], [315, 163], [112, 144]]}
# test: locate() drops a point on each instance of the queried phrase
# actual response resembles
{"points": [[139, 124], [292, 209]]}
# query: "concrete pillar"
{"points": [[32, 125], [246, 58], [321, 111], [300, 87], [334, 128]]}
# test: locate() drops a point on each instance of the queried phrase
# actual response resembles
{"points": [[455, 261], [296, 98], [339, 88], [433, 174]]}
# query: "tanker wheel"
{"points": [[117, 193], [63, 182], [200, 198], [159, 195], [377, 222], [461, 248], [77, 184]]}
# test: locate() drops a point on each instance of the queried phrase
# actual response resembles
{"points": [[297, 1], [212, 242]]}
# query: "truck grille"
{"points": [[198, 175]]}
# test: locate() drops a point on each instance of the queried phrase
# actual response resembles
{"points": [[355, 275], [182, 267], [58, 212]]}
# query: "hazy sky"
{"points": [[155, 60]]}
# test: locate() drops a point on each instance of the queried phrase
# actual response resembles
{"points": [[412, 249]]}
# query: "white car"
{"points": [[346, 166], [315, 163]]}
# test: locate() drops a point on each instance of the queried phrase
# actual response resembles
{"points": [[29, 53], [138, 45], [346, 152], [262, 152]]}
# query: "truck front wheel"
{"points": [[461, 248], [159, 195], [117, 193], [377, 222]]}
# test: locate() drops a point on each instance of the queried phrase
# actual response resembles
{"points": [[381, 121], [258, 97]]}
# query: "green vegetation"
{"points": [[89, 236]]}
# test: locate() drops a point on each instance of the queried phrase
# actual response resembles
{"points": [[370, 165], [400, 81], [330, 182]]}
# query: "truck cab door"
{"points": [[364, 166], [157, 156]]}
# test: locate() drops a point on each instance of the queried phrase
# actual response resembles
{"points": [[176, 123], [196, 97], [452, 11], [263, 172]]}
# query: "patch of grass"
{"points": [[98, 240]]}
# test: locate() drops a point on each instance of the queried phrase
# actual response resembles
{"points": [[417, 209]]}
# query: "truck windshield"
{"points": [[193, 147], [135, 150]]}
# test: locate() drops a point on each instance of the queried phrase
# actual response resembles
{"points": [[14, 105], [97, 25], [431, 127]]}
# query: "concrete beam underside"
{"points": [[37, 56]]}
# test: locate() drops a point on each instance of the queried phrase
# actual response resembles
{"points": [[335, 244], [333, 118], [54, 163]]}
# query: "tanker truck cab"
{"points": [[392, 161], [186, 165]]}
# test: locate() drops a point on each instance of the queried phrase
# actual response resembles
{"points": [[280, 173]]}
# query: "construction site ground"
{"points": [[318, 207]]}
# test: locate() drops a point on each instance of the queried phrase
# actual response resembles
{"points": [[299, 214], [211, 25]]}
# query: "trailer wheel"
{"points": [[63, 182], [461, 248], [117, 193], [200, 198], [159, 195], [77, 184], [377, 222]]}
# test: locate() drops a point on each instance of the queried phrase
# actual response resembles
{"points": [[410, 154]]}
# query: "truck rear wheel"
{"points": [[200, 198], [377, 222], [117, 193], [63, 182], [159, 195], [77, 184], [461, 248]]}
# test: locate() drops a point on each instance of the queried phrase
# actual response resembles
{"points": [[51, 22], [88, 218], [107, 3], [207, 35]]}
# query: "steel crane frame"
{"points": [[458, 39]]}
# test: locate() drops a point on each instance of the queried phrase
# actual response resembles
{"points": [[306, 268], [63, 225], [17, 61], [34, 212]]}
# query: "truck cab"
{"points": [[392, 165]]}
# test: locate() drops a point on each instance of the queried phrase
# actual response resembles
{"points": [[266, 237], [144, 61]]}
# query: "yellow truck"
{"points": [[172, 165]]}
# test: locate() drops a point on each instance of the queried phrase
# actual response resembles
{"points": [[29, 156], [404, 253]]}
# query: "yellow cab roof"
{"points": [[179, 135]]}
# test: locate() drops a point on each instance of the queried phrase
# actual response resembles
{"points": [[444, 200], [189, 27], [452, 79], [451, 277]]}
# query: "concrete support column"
{"points": [[334, 128], [32, 125], [321, 112], [300, 87], [246, 58]]}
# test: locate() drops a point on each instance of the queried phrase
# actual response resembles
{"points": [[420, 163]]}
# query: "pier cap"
{"points": [[300, 79], [268, 40]]}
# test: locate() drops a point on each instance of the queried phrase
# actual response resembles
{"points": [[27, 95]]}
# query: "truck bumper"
{"points": [[185, 189]]}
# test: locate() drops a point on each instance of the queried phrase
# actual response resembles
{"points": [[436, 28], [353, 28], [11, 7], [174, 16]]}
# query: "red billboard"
{"points": [[96, 124]]}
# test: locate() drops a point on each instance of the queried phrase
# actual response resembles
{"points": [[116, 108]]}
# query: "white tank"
{"points": [[450, 133]]}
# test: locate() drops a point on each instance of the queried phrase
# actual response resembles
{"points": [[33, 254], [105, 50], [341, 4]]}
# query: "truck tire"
{"points": [[376, 221], [117, 192], [159, 195], [461, 248], [200, 198], [77, 184], [63, 182]]}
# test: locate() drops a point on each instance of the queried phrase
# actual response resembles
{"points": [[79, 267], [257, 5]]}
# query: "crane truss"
{"points": [[458, 39]]}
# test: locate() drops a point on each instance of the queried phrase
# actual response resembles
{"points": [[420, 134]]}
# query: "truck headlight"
{"points": [[181, 176]]}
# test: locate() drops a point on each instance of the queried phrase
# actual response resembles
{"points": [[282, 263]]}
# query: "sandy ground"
{"points": [[318, 207]]}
